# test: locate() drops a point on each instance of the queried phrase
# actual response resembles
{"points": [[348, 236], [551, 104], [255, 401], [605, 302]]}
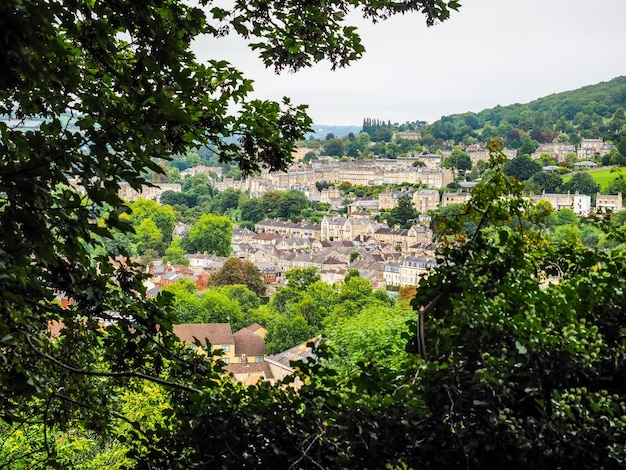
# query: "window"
{"points": [[258, 359], [225, 360], [226, 347]]}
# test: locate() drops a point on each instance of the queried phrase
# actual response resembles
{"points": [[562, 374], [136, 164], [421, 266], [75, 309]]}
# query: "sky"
{"points": [[490, 52]]}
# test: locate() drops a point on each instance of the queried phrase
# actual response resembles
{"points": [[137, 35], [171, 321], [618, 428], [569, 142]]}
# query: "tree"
{"points": [[253, 210], [528, 146], [211, 234], [286, 332], [175, 253], [236, 271], [567, 235], [248, 300], [117, 90], [172, 198], [148, 237], [405, 213], [334, 147], [153, 223], [185, 301], [458, 160], [374, 334], [621, 143], [216, 307], [522, 167], [545, 181], [565, 217], [616, 185], [163, 216], [229, 199], [299, 279], [291, 203], [309, 156], [583, 183]]}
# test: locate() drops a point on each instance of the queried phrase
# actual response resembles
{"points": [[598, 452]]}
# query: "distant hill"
{"points": [[594, 111], [321, 130]]}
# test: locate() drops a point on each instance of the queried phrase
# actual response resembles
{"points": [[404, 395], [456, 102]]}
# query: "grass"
{"points": [[602, 176]]}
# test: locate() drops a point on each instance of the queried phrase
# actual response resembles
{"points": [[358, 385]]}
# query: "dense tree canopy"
{"points": [[210, 234], [117, 88], [516, 358], [589, 112]]}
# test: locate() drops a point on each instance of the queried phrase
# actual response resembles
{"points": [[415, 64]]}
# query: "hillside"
{"points": [[594, 111]]}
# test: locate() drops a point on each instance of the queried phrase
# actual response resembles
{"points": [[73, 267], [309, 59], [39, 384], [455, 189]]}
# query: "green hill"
{"points": [[594, 111]]}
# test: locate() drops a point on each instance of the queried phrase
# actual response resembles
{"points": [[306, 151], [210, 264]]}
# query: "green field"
{"points": [[602, 176]]}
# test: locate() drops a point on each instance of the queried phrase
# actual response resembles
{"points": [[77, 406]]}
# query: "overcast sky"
{"points": [[491, 52]]}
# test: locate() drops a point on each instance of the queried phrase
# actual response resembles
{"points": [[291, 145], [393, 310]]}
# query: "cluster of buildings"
{"points": [[581, 203], [243, 351], [424, 169], [361, 173], [587, 150], [274, 254]]}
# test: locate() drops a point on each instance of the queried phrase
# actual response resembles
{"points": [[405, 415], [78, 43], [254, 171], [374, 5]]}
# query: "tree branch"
{"points": [[138, 375]]}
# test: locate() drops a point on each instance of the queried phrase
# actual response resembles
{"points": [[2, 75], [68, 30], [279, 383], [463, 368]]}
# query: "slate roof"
{"points": [[300, 352]]}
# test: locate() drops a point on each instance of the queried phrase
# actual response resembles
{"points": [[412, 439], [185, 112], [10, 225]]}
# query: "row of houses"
{"points": [[396, 171], [355, 226], [581, 203], [587, 150], [363, 173]]}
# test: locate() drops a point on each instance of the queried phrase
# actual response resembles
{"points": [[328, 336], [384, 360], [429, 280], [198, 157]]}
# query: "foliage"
{"points": [[374, 334], [547, 181], [527, 368], [583, 183], [334, 147], [175, 254], [236, 271], [247, 299], [162, 216], [252, 210], [216, 307], [234, 304], [82, 449], [565, 216], [458, 160], [287, 331], [522, 167], [210, 234], [185, 302], [616, 185], [590, 112], [404, 213]]}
